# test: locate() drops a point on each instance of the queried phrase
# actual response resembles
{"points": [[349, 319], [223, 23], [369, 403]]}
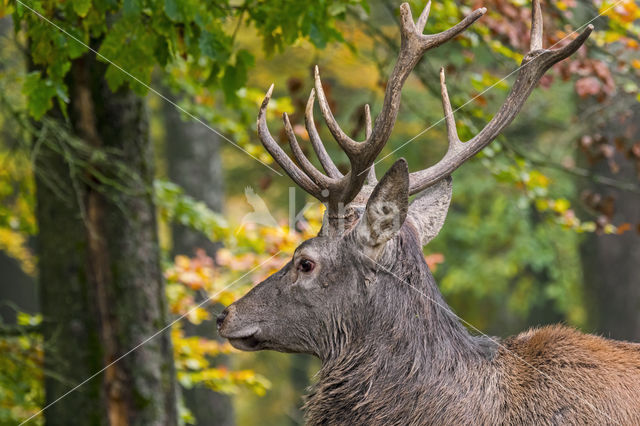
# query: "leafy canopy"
{"points": [[138, 35]]}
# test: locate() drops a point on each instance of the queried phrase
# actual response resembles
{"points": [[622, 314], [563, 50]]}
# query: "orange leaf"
{"points": [[433, 260], [624, 228]]}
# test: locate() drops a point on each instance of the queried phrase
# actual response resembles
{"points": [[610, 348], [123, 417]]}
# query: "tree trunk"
{"points": [[194, 163], [193, 154], [611, 263], [101, 284], [17, 290]]}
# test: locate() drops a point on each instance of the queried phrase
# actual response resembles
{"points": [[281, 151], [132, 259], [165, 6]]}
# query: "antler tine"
{"points": [[533, 67], [308, 167], [429, 41], [372, 179], [536, 27], [327, 164], [424, 16], [452, 131], [367, 121], [280, 156], [350, 147]]}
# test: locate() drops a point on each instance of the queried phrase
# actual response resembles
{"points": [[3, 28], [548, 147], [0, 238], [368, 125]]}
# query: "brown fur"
{"points": [[551, 370], [553, 375]]}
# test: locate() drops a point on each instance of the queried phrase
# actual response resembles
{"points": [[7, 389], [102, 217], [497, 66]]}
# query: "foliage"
{"points": [[177, 207], [21, 371], [17, 191], [509, 259], [17, 220], [198, 33]]}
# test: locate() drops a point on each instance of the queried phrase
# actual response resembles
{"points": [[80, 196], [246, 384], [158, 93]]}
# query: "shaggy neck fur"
{"points": [[398, 356], [406, 343]]}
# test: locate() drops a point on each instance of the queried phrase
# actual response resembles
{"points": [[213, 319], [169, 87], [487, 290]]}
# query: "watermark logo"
{"points": [[385, 214], [262, 216]]}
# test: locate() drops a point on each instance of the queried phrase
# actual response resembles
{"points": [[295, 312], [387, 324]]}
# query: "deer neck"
{"points": [[407, 346]]}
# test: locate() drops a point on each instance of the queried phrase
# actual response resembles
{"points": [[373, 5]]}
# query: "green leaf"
{"points": [[235, 76], [81, 7], [316, 36], [132, 47], [115, 78], [39, 94], [336, 9], [59, 69], [161, 52], [73, 47], [214, 75], [131, 7], [180, 10], [215, 45], [244, 59], [181, 208]]}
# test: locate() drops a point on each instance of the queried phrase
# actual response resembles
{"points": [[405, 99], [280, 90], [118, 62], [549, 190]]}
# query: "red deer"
{"points": [[361, 298]]}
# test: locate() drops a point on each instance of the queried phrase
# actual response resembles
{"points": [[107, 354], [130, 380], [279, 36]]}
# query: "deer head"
{"points": [[335, 289]]}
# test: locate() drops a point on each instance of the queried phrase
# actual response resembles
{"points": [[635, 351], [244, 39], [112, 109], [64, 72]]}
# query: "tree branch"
{"points": [[575, 171]]}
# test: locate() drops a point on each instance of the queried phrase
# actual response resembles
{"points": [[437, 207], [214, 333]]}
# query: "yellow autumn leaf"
{"points": [[14, 244], [611, 36], [542, 204], [561, 205]]}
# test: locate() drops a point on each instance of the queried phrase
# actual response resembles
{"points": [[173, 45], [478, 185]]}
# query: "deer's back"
{"points": [[557, 375]]}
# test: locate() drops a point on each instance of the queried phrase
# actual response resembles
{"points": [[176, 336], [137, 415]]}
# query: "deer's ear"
{"points": [[386, 208], [429, 209]]}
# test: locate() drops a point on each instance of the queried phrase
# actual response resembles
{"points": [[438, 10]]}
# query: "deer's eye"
{"points": [[306, 265]]}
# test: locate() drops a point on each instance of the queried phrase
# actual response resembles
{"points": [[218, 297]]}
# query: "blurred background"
{"points": [[129, 195]]}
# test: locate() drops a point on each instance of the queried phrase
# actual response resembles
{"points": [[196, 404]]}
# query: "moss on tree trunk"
{"points": [[101, 284]]}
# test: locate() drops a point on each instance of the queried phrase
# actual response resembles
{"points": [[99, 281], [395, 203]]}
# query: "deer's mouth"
{"points": [[245, 339], [248, 343]]}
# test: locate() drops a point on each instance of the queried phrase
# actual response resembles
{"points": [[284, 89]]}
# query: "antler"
{"points": [[334, 188], [337, 189], [533, 67]]}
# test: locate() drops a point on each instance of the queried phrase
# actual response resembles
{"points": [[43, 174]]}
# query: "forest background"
{"points": [[131, 175]]}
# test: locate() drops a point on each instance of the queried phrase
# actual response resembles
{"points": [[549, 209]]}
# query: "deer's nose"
{"points": [[221, 317]]}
